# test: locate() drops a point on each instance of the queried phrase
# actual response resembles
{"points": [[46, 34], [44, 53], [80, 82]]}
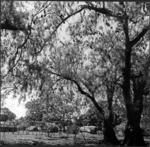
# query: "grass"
{"points": [[56, 139], [53, 140]]}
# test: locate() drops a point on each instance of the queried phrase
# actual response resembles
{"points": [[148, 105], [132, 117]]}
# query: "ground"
{"points": [[54, 138], [62, 140]]}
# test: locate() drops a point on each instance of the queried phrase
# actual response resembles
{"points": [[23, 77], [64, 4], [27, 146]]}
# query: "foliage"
{"points": [[103, 55], [11, 116], [61, 104], [34, 110]]}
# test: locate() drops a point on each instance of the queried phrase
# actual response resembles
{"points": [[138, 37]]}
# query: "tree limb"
{"points": [[19, 47], [83, 7], [103, 10], [139, 36], [57, 26], [91, 97]]}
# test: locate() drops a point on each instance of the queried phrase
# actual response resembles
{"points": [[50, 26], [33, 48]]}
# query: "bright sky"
{"points": [[15, 107], [13, 104]]}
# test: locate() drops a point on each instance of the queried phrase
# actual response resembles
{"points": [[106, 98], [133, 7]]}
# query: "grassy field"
{"points": [[55, 139]]}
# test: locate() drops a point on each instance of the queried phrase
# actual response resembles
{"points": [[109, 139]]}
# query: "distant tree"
{"points": [[34, 110], [9, 114]]}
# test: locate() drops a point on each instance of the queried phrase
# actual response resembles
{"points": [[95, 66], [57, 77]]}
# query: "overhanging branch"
{"points": [[105, 11]]}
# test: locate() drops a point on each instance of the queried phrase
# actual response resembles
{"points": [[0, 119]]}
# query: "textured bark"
{"points": [[109, 122], [110, 92], [133, 135], [134, 107], [109, 133], [133, 132]]}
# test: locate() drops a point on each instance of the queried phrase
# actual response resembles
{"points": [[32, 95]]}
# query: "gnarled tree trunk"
{"points": [[109, 133], [133, 133]]}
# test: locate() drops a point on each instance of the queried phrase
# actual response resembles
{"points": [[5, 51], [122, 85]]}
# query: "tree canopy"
{"points": [[99, 48]]}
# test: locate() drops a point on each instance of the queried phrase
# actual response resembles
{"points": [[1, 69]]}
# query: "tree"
{"points": [[55, 105], [113, 55], [10, 18], [133, 121], [34, 110], [10, 115]]}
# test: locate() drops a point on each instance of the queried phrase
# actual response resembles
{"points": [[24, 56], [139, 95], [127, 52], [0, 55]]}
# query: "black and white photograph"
{"points": [[74, 73]]}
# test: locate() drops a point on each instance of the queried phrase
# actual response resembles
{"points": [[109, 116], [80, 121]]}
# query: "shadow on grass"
{"points": [[59, 145]]}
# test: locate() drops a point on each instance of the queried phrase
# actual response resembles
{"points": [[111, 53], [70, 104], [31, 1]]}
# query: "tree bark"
{"points": [[109, 133], [133, 132]]}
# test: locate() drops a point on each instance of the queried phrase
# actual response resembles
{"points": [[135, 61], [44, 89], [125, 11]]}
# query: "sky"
{"points": [[14, 106], [11, 103]]}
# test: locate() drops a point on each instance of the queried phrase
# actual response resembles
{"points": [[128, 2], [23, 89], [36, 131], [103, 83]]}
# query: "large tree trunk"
{"points": [[133, 133], [109, 133]]}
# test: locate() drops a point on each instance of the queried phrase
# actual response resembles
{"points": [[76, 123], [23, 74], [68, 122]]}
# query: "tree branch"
{"points": [[104, 10], [91, 97], [139, 36], [83, 7], [19, 47]]}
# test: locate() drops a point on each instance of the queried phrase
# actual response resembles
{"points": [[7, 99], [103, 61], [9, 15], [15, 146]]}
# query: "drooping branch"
{"points": [[78, 86], [139, 36], [16, 54], [91, 97]]}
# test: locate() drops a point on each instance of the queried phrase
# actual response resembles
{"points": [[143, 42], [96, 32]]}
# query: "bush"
{"points": [[53, 129], [8, 129]]}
